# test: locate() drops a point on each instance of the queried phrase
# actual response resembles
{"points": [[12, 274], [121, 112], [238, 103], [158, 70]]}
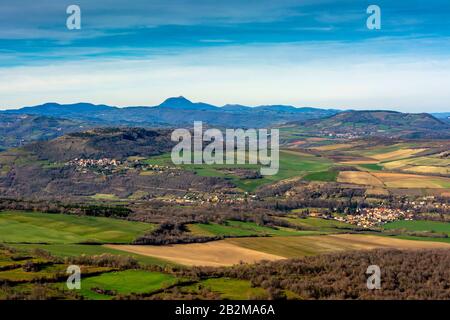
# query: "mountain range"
{"points": [[175, 112], [50, 120]]}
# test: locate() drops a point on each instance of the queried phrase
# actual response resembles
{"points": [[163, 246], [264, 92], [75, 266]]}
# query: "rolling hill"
{"points": [[177, 111], [51, 120], [378, 123], [444, 116], [103, 143], [17, 130], [53, 169]]}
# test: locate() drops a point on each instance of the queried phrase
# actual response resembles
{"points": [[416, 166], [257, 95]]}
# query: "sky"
{"points": [[316, 53]]}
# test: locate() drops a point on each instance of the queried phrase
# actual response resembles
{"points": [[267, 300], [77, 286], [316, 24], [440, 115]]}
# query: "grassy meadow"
{"points": [[242, 229], [125, 282], [33, 227], [30, 275], [321, 225], [424, 226], [292, 164], [70, 236]]}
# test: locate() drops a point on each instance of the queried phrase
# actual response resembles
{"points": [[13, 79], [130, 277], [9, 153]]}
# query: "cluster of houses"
{"points": [[372, 217], [212, 198], [343, 135], [104, 163], [428, 202], [157, 168]]}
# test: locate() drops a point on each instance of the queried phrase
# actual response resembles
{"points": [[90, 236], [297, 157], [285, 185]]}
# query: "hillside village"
{"points": [[107, 165], [374, 217]]}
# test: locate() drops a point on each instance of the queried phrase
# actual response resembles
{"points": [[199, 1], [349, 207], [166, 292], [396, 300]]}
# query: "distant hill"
{"points": [[379, 123], [181, 103], [103, 143], [58, 110], [42, 170], [17, 129], [50, 120], [442, 115], [175, 112]]}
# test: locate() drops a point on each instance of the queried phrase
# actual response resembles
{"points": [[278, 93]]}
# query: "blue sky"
{"points": [[304, 53]]}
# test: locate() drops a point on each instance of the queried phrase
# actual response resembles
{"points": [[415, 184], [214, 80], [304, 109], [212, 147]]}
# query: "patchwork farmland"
{"points": [[148, 242]]}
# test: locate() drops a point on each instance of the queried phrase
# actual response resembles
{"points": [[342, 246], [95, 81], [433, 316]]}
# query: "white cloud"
{"points": [[329, 75]]}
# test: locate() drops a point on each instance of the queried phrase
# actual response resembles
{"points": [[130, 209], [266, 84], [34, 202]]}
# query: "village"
{"points": [[86, 163], [373, 217], [107, 165], [199, 198]]}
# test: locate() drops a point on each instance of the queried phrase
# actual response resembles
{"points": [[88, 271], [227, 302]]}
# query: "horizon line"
{"points": [[237, 105]]}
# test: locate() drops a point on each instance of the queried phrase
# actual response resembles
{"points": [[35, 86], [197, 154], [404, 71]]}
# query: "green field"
{"points": [[323, 225], [125, 282], [431, 239], [328, 176], [292, 164], [371, 166], [32, 227], [48, 278], [430, 226], [243, 229]]}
